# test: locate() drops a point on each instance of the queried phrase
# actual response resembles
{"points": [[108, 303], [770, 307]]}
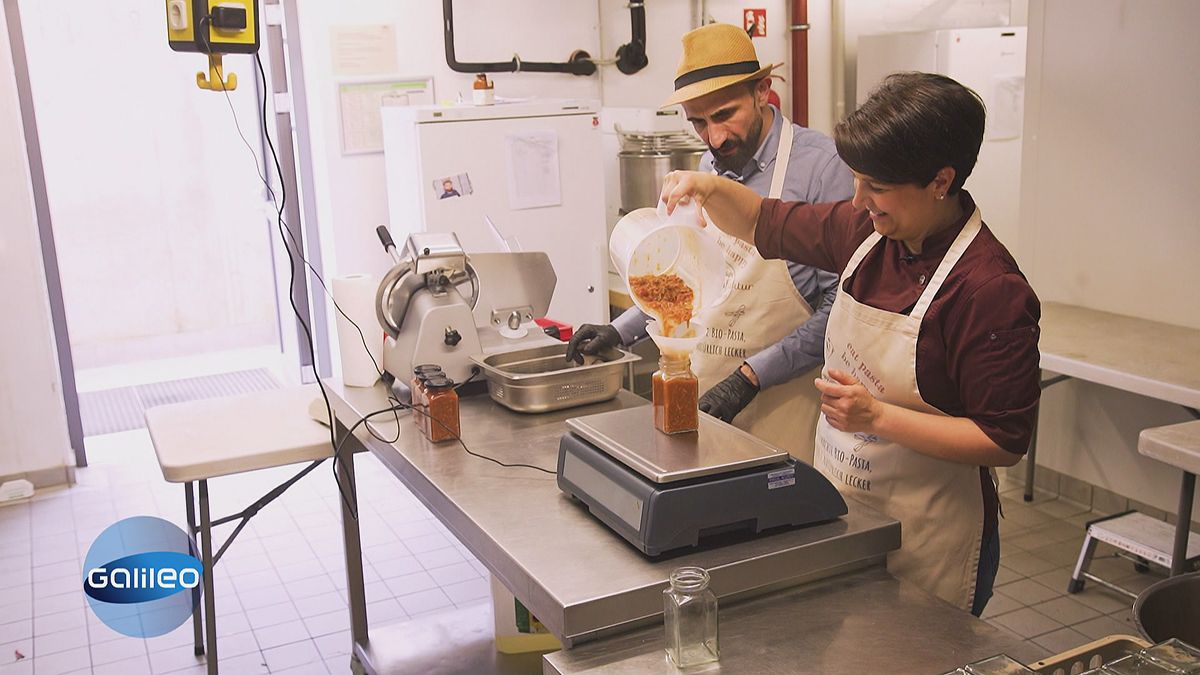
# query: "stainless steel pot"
{"points": [[1170, 609], [646, 158], [642, 174]]}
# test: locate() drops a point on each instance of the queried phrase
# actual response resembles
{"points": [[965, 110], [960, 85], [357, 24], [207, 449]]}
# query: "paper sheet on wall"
{"points": [[363, 50], [1007, 110], [533, 179], [359, 104]]}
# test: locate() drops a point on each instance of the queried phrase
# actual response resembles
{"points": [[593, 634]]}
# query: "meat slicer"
{"points": [[439, 305]]}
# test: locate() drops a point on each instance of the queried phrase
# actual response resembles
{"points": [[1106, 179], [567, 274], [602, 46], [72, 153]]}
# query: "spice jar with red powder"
{"points": [[442, 402], [418, 401]]}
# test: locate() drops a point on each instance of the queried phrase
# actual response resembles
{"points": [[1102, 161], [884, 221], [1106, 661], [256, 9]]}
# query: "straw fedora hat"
{"points": [[715, 56]]}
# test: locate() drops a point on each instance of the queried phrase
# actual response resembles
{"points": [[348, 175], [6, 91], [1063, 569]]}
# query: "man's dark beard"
{"points": [[737, 162]]}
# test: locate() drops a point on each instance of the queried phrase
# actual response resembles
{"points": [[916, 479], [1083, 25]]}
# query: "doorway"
{"points": [[164, 233]]}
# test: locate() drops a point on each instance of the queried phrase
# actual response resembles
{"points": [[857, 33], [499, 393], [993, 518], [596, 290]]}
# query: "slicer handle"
{"points": [[385, 237]]}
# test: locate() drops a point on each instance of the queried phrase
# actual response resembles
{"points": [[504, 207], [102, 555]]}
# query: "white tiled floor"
{"points": [[281, 600], [1039, 545]]}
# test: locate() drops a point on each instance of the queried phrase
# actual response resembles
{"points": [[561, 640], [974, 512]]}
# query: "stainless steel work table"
{"points": [[1143, 357], [863, 622], [580, 579]]}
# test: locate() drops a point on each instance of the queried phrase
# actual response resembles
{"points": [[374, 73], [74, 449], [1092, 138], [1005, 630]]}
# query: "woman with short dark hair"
{"points": [[931, 358]]}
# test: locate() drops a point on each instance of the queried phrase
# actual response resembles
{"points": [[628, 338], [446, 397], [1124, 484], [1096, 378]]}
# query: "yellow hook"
{"points": [[215, 80]]}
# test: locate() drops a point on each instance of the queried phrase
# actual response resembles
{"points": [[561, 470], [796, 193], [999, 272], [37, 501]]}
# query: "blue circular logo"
{"points": [[142, 577]]}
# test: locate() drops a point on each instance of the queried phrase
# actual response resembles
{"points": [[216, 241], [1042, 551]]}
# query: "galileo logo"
{"points": [[141, 577]]}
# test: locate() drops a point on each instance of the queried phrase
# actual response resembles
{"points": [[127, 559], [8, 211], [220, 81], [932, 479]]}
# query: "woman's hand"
{"points": [[682, 187], [847, 405], [731, 206]]}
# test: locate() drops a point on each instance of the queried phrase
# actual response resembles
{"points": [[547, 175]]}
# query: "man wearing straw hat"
{"points": [[767, 335]]}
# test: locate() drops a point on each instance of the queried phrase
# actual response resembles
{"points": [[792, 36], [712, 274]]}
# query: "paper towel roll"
{"points": [[355, 294]]}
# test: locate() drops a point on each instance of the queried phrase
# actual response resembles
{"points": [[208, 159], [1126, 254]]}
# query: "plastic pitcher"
{"points": [[646, 241]]}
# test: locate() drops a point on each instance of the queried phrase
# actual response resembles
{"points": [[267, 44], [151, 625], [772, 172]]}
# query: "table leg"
{"points": [[190, 496], [1031, 460], [210, 602], [1183, 523], [1031, 456], [352, 541]]}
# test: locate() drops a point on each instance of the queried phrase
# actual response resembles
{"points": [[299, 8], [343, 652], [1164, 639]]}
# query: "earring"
{"points": [[942, 196]]}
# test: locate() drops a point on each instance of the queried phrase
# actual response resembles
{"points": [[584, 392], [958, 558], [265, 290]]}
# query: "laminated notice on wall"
{"points": [[363, 50], [1007, 109], [359, 104], [533, 179]]}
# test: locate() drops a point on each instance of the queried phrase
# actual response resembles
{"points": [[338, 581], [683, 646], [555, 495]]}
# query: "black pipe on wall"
{"points": [[580, 62], [631, 57]]}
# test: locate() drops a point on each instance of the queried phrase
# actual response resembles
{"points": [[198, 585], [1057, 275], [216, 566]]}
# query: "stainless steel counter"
{"points": [[1147, 358], [579, 578], [864, 622]]}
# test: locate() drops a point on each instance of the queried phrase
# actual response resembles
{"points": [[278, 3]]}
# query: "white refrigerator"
{"points": [[992, 62], [512, 176]]}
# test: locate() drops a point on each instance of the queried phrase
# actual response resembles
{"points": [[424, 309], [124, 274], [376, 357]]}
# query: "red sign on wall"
{"points": [[755, 22]]}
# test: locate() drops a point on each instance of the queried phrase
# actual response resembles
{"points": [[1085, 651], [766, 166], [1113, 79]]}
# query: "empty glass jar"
{"points": [[690, 616]]}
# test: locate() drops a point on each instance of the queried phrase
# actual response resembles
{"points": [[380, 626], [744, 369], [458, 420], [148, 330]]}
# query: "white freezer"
{"points": [[542, 155], [992, 62]]}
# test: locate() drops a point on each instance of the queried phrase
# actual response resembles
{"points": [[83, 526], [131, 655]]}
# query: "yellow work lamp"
{"points": [[213, 27]]}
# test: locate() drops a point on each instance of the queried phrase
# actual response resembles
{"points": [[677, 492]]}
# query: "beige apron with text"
{"points": [[761, 308], [938, 503]]}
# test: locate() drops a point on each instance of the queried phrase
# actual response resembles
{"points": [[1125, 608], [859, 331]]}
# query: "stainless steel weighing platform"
{"points": [[663, 492]]}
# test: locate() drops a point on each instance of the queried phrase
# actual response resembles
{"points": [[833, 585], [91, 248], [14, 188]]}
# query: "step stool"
{"points": [[1150, 539]]}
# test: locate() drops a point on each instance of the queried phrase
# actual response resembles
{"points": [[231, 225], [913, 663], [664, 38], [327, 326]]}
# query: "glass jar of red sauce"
{"points": [[675, 393]]}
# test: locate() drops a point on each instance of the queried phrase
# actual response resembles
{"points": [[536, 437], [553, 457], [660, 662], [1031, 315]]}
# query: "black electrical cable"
{"points": [[399, 405], [285, 235], [417, 411], [274, 199], [270, 191], [475, 370], [281, 203], [337, 447], [329, 294], [456, 437], [362, 338]]}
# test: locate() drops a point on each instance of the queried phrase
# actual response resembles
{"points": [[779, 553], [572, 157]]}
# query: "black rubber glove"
{"points": [[591, 339], [728, 397]]}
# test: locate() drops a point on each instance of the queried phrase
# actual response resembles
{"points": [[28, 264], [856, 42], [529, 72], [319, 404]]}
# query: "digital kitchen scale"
{"points": [[662, 492]]}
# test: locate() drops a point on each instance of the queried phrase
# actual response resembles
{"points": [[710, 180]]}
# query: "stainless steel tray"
{"points": [[541, 379]]}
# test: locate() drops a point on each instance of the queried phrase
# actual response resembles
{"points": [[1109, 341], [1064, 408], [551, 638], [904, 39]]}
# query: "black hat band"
{"points": [[739, 68]]}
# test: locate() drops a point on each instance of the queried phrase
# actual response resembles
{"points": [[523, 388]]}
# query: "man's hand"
{"points": [[590, 340], [730, 396], [847, 404]]}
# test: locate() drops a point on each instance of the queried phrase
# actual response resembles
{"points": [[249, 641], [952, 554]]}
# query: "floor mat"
{"points": [[123, 409]]}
